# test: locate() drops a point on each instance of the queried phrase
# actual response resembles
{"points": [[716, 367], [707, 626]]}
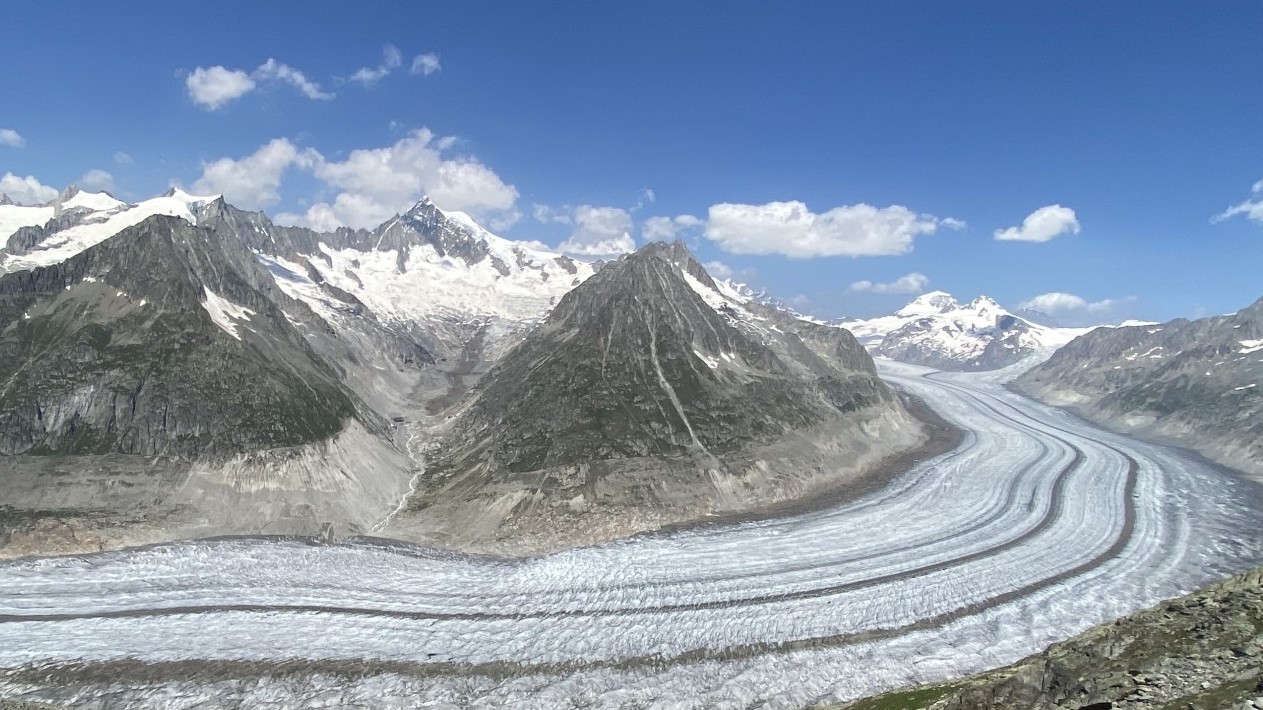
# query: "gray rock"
{"points": [[1197, 383]]}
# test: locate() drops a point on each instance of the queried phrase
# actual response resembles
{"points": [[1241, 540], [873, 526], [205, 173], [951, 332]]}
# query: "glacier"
{"points": [[1037, 526]]}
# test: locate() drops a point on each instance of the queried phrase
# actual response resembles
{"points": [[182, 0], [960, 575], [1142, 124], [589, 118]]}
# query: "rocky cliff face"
{"points": [[649, 367], [1198, 383], [158, 341], [159, 385]]}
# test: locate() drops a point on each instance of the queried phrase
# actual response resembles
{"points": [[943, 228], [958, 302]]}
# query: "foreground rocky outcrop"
{"points": [[1196, 383], [1203, 651]]}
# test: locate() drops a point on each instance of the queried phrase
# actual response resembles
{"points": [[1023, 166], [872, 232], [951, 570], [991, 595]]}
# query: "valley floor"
{"points": [[1036, 527]]}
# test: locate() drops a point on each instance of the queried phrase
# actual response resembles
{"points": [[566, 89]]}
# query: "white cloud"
{"points": [[791, 229], [374, 184], [545, 214], [26, 190], [1042, 225], [253, 181], [11, 138], [1252, 208], [212, 87], [121, 158], [600, 231], [907, 284], [97, 180], [1059, 303], [660, 229], [719, 270], [274, 70], [319, 217], [644, 198], [425, 64], [391, 60]]}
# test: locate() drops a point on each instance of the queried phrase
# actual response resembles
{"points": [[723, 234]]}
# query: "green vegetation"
{"points": [[914, 699]]}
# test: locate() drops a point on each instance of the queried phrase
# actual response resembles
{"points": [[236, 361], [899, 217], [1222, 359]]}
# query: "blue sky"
{"points": [[809, 148]]}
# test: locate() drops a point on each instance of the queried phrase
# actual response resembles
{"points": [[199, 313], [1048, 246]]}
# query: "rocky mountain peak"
{"points": [[70, 191], [426, 224], [677, 254]]}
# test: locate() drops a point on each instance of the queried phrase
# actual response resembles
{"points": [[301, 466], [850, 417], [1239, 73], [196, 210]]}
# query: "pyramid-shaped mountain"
{"points": [[648, 386]]}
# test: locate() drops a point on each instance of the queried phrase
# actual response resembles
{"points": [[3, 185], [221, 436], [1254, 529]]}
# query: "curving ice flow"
{"points": [[1036, 527]]}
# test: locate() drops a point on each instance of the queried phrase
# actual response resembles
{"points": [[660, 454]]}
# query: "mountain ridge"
{"points": [[935, 330], [1190, 382]]}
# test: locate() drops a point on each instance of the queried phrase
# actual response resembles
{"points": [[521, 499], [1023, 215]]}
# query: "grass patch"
{"points": [[914, 699]]}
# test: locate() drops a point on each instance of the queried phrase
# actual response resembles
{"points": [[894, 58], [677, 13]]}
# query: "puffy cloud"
{"points": [[1252, 208], [793, 230], [374, 184], [391, 60], [1042, 225], [26, 190], [425, 64], [600, 231], [907, 284], [319, 217], [253, 182], [657, 229], [212, 87], [121, 158], [97, 180], [11, 138], [1059, 303]]}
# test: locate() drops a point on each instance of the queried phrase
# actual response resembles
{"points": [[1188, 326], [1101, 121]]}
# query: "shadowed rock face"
{"points": [[646, 384], [1198, 383], [116, 350]]}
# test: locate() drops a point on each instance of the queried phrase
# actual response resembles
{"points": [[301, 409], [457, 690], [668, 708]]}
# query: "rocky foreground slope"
{"points": [[1197, 383], [1199, 652], [648, 396]]}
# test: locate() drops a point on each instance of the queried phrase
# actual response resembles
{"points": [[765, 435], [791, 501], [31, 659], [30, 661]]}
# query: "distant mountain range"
{"points": [[937, 331], [1196, 383]]}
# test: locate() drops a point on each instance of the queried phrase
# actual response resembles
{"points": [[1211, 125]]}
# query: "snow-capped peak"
{"points": [[934, 329], [986, 303], [928, 304], [78, 220], [176, 193]]}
